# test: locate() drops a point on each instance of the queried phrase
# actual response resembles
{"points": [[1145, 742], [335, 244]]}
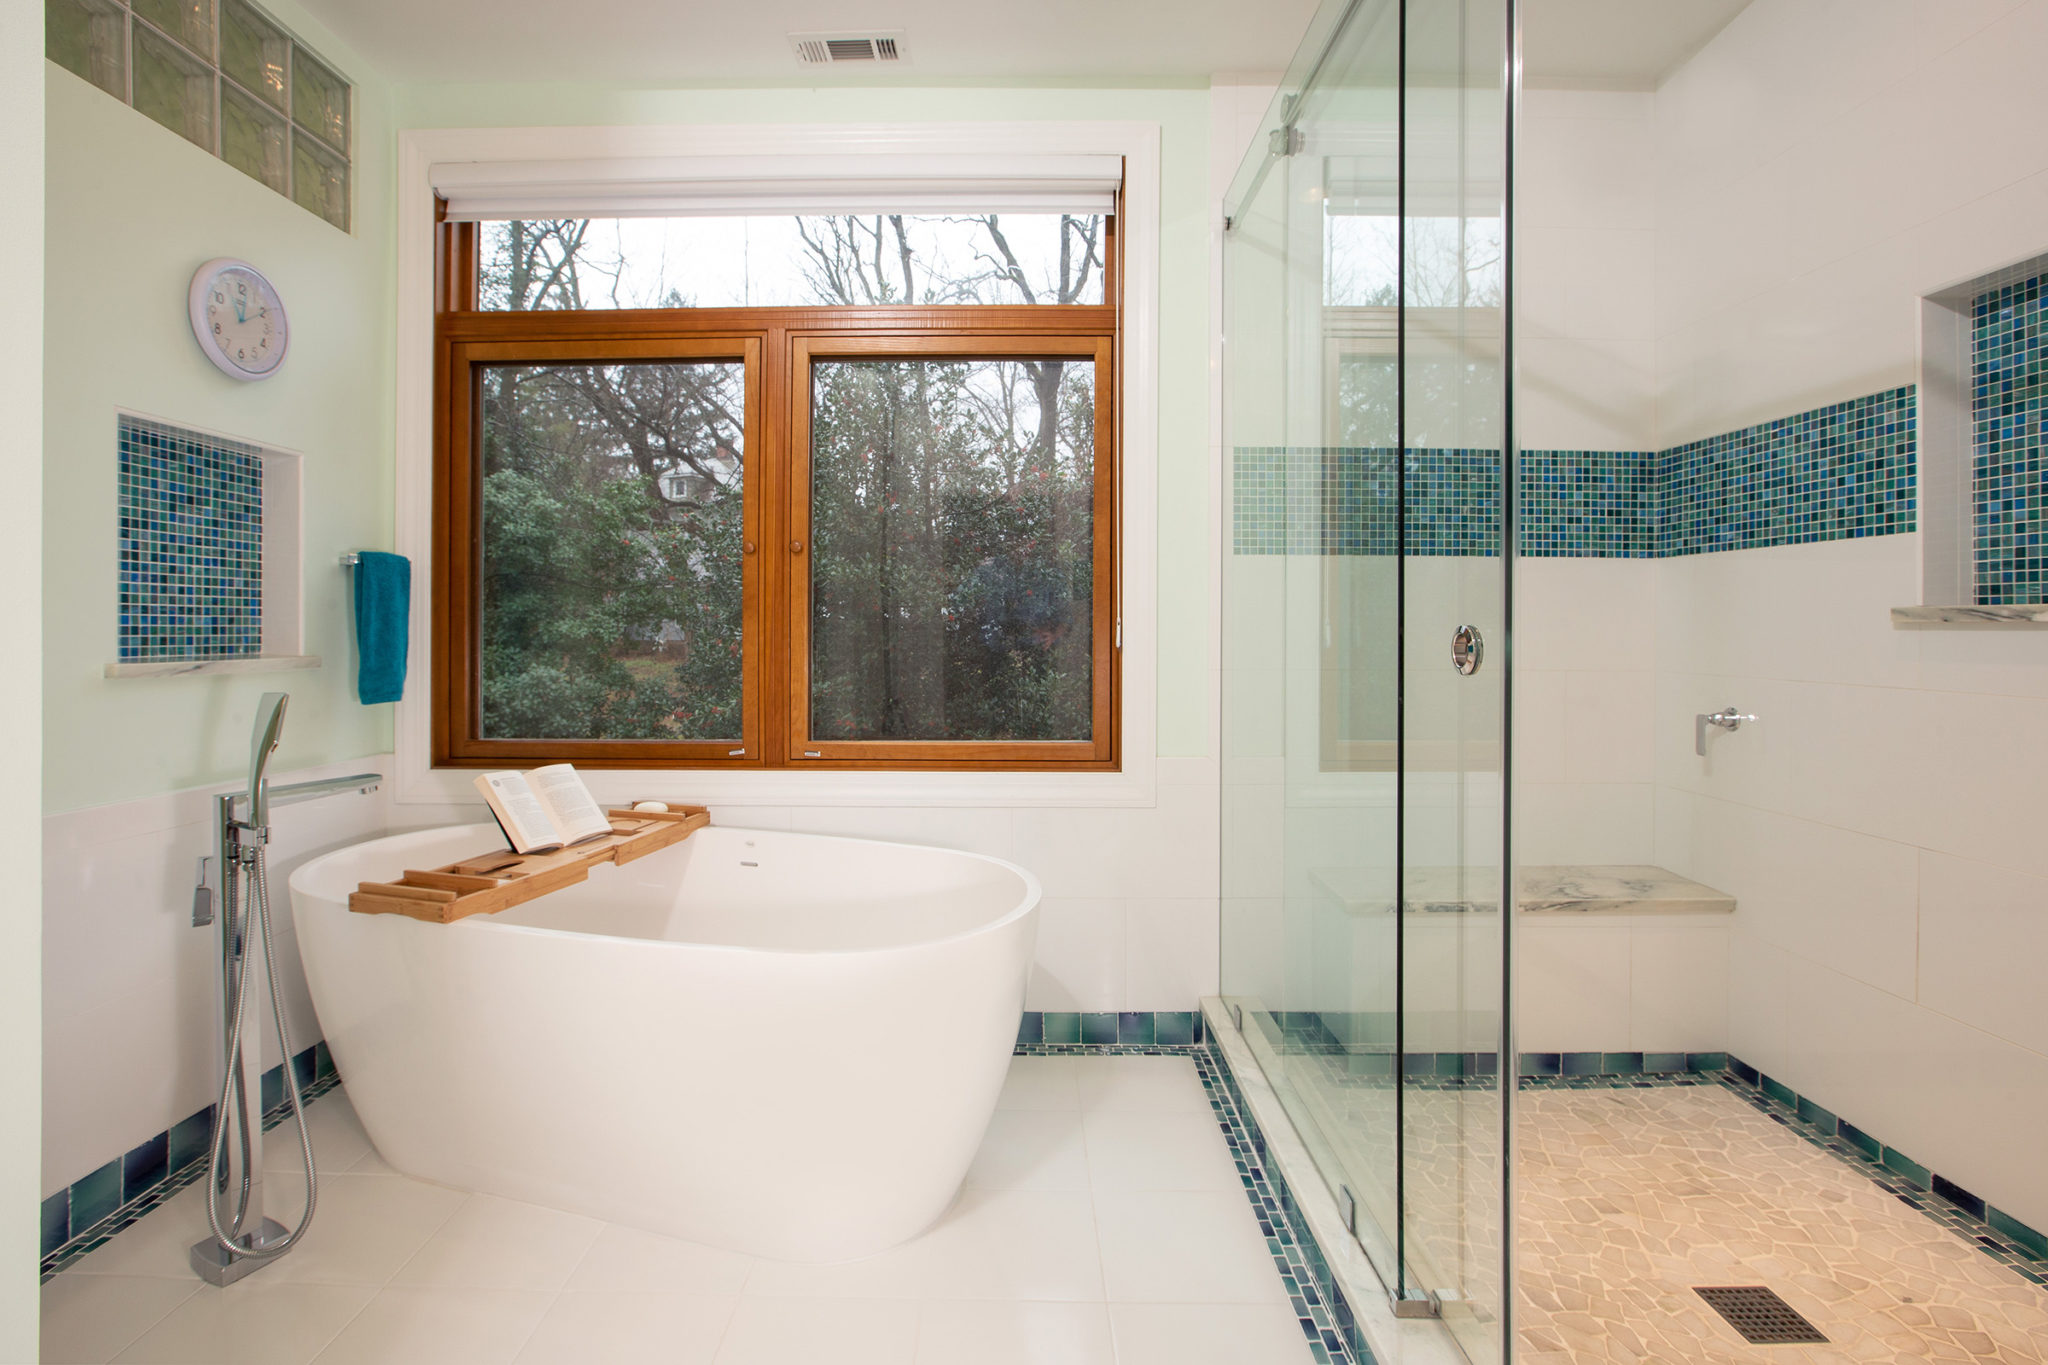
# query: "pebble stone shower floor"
{"points": [[1636, 1191]]}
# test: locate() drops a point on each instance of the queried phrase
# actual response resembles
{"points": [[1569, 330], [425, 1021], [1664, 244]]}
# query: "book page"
{"points": [[576, 815], [526, 821]]}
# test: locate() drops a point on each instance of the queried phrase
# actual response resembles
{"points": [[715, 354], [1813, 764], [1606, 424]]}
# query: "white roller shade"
{"points": [[738, 185]]}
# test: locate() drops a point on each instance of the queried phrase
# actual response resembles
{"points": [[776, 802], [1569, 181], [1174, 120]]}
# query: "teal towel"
{"points": [[383, 605]]}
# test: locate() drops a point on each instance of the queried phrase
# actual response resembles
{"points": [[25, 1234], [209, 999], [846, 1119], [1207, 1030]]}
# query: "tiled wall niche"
{"points": [[1982, 372], [207, 552]]}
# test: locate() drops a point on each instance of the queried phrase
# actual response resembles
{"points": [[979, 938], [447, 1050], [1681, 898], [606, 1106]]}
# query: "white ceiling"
{"points": [[659, 43], [1626, 44], [1616, 44]]}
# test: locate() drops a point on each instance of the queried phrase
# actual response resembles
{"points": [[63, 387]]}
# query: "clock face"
{"points": [[238, 319]]}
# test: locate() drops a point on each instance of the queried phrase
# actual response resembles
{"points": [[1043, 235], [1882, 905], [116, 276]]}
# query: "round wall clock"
{"points": [[238, 319]]}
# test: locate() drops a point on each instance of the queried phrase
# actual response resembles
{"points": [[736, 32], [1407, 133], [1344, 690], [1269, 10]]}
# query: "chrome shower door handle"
{"points": [[1468, 647]]}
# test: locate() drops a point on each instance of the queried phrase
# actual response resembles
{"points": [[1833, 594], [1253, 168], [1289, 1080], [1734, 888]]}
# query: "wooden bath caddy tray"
{"points": [[501, 880]]}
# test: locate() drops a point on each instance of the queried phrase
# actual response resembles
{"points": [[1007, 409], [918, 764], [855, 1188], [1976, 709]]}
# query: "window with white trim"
{"points": [[756, 489]]}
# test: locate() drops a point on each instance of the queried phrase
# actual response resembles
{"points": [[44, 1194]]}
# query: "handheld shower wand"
{"points": [[248, 1240]]}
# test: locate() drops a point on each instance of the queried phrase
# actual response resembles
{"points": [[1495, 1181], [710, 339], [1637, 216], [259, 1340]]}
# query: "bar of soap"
{"points": [[661, 806]]}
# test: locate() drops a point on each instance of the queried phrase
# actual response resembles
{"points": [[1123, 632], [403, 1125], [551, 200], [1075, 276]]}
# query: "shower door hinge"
{"points": [[1347, 1204], [1415, 1303], [1285, 140], [1237, 1017]]}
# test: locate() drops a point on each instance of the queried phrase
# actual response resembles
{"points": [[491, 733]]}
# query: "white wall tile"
{"points": [[1081, 955], [1591, 615], [1678, 984], [1955, 1099], [1757, 987], [1984, 947], [1170, 954], [1608, 727], [1585, 822], [1845, 900], [1573, 980]]}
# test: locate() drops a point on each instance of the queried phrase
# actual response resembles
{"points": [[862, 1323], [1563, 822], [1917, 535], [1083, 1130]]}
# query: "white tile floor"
{"points": [[1102, 1224]]}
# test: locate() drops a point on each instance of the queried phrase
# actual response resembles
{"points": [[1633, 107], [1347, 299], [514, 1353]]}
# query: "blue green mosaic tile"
{"points": [[1832, 473], [82, 1217], [2009, 410], [191, 545], [1845, 470], [1588, 504]]}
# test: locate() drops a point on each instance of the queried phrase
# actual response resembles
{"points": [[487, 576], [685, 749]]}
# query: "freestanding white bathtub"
{"points": [[782, 1044]]}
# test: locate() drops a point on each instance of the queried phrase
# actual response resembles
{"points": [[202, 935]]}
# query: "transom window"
{"points": [[789, 491]]}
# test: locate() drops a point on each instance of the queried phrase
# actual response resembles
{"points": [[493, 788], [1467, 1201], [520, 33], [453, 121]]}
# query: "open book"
{"points": [[546, 808]]}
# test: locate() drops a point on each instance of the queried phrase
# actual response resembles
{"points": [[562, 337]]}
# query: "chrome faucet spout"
{"points": [[295, 792]]}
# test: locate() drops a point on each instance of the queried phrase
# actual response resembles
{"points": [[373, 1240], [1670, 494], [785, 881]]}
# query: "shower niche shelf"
{"points": [[2006, 616], [501, 880]]}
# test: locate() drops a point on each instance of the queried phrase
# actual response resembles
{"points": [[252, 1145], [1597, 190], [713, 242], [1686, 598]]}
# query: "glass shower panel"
{"points": [[1453, 589], [1311, 623]]}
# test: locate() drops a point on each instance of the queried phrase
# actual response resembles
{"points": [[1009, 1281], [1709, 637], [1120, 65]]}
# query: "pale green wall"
{"points": [[21, 905], [132, 210], [1185, 490]]}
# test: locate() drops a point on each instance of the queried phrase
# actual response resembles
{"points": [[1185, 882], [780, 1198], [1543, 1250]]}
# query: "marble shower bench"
{"points": [[1610, 957], [1564, 889]]}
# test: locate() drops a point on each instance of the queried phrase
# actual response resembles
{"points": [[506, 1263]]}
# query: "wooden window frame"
{"points": [[777, 345]]}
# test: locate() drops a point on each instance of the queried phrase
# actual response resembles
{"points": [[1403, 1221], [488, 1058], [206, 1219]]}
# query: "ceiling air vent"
{"points": [[827, 49]]}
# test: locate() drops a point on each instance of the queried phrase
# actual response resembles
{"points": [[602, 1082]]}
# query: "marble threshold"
{"points": [[1393, 1340]]}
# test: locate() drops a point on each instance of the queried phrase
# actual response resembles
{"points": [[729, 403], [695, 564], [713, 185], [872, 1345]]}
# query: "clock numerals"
{"points": [[237, 311]]}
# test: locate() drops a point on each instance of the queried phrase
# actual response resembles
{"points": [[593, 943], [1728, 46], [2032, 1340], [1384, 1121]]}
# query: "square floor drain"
{"points": [[1760, 1315]]}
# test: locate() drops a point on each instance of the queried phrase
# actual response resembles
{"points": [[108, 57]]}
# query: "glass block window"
{"points": [[191, 545], [225, 76], [2009, 363]]}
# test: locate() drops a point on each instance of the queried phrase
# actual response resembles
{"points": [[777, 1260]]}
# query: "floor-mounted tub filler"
{"points": [[783, 1044]]}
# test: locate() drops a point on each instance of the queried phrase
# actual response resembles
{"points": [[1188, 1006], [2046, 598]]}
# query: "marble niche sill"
{"points": [[2024, 616], [1560, 892], [166, 668]]}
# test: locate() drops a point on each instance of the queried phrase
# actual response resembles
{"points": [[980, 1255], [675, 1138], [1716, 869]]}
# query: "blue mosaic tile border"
{"points": [[1589, 504], [1996, 1233], [1327, 1322], [81, 1217], [1166, 1028], [1841, 471], [191, 545], [2009, 410], [1832, 473]]}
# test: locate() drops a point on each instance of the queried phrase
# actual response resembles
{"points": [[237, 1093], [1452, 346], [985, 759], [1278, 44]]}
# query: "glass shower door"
{"points": [[1454, 615], [1362, 770]]}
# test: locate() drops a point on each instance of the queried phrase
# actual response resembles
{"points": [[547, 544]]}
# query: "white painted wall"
{"points": [[21, 398], [1819, 166]]}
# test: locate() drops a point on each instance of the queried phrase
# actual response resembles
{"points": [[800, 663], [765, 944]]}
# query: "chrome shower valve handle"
{"points": [[1728, 718]]}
